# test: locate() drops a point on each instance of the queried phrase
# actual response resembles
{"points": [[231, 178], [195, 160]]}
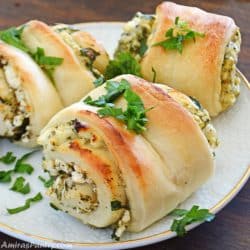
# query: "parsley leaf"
{"points": [[187, 217], [54, 206], [47, 183], [27, 204], [99, 81], [114, 90], [8, 158], [135, 114], [20, 186], [115, 205], [47, 63], [196, 102], [124, 63], [12, 36], [21, 166], [5, 176], [111, 111], [176, 36]]}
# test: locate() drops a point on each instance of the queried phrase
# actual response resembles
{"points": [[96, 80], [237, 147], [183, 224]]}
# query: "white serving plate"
{"points": [[44, 226]]}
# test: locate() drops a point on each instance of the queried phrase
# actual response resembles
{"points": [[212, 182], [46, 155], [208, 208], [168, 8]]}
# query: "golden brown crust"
{"points": [[197, 70]]}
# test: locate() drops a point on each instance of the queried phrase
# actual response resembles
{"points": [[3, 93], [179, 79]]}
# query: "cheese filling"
{"points": [[86, 56], [230, 82], [15, 112], [202, 118], [73, 190], [199, 114], [135, 35]]}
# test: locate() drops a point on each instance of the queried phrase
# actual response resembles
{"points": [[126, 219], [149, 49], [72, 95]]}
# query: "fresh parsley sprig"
{"points": [[47, 63], [124, 63], [99, 81], [195, 214], [20, 167], [135, 114], [12, 36], [5, 176], [21, 186], [8, 158], [27, 204], [47, 183], [177, 35], [114, 90]]}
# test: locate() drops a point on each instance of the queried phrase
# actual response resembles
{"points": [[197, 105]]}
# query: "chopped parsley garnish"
{"points": [[99, 81], [114, 90], [5, 176], [177, 35], [53, 206], [20, 186], [12, 36], [124, 63], [154, 74], [47, 183], [196, 102], [187, 217], [47, 63], [116, 205], [135, 114], [8, 158], [21, 166], [27, 204]]}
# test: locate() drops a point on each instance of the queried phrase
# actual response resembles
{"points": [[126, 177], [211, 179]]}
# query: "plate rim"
{"points": [[147, 240]]}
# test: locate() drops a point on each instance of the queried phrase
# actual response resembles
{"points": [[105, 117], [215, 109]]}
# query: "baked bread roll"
{"points": [[206, 68], [27, 98], [75, 76], [106, 174]]}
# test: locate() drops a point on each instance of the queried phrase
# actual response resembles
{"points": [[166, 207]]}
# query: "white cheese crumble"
{"points": [[15, 112], [72, 189], [230, 82], [122, 225], [135, 33]]}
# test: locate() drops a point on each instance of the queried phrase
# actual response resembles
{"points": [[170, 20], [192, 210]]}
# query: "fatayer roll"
{"points": [[75, 76], [188, 49], [27, 98], [107, 174]]}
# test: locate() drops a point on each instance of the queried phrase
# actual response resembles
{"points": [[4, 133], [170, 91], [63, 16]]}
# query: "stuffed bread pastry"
{"points": [[189, 49], [83, 58], [106, 173], [27, 98]]}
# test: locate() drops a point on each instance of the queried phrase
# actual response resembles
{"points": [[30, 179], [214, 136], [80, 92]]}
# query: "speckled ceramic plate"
{"points": [[42, 225]]}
